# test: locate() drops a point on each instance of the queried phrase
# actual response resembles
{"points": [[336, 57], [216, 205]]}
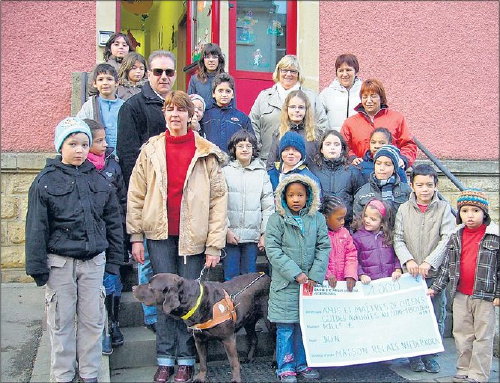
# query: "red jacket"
{"points": [[358, 128], [343, 260]]}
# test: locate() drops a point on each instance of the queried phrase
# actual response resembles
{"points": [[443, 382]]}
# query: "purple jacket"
{"points": [[375, 259]]}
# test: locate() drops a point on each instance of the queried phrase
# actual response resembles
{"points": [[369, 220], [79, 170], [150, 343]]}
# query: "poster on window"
{"points": [[383, 320]]}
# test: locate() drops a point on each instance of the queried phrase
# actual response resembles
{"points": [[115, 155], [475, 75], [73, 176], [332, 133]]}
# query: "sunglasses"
{"points": [[158, 72]]}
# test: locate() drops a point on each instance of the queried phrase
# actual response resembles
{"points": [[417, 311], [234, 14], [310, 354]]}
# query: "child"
{"points": [[343, 261], [472, 269], [250, 204], [378, 138], [211, 63], [107, 165], [373, 240], [422, 230], [296, 116], [384, 182], [336, 176], [131, 75], [222, 120], [73, 219], [104, 107], [292, 150], [199, 111], [297, 246]]}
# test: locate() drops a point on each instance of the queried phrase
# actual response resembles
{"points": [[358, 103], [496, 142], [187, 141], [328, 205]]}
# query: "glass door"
{"points": [[261, 32]]}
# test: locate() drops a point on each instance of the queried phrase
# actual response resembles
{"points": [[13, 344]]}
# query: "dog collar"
{"points": [[195, 307]]}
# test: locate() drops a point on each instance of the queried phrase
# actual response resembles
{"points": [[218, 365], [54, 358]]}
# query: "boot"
{"points": [[107, 348], [116, 334]]}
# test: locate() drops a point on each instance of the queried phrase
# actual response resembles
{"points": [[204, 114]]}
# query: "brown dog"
{"points": [[177, 295]]}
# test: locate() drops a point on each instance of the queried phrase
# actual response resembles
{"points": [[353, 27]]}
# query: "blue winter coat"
{"points": [[375, 258], [292, 251], [368, 166], [220, 123]]}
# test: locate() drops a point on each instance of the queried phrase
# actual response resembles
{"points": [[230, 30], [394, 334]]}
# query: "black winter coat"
{"points": [[339, 180], [139, 119], [72, 212]]}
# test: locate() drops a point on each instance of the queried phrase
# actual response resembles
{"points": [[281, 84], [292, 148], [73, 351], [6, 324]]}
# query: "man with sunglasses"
{"points": [[141, 116]]}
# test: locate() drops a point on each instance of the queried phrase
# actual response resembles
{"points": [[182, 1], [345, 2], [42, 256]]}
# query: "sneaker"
{"points": [[163, 374], [107, 348], [116, 334], [309, 374], [431, 365], [151, 326], [471, 380], [89, 380], [459, 378], [289, 377], [184, 374], [416, 364]]}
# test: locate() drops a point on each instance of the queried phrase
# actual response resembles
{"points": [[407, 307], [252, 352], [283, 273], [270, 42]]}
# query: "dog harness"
{"points": [[222, 311]]}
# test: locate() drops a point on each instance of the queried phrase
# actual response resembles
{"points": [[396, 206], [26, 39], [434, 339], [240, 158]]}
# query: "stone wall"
{"points": [[19, 170]]}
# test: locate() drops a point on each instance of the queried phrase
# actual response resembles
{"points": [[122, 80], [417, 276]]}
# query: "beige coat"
{"points": [[423, 236], [203, 205]]}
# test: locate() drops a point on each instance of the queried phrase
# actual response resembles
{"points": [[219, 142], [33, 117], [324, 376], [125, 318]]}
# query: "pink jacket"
{"points": [[343, 260]]}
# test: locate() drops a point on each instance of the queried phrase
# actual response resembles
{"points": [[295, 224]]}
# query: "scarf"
{"points": [[98, 161], [282, 92], [386, 187]]}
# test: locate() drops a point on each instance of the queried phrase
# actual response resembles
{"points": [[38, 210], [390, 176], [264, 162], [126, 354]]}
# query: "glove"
{"points": [[41, 279], [112, 268]]}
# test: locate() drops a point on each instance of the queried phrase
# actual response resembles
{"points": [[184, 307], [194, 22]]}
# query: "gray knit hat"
{"points": [[69, 126]]}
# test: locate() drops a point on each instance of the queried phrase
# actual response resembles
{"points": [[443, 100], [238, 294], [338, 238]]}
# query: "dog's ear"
{"points": [[171, 301]]}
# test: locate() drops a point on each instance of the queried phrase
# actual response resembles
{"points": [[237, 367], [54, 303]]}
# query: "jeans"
{"points": [[173, 340], [240, 259], [290, 353], [144, 274]]}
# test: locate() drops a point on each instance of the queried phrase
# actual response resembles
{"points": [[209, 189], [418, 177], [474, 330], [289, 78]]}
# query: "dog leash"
{"points": [[208, 268]]}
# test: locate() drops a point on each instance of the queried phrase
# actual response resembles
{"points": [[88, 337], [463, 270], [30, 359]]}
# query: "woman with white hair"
{"points": [[266, 110]]}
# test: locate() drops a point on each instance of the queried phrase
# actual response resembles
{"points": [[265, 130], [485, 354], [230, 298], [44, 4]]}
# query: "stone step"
{"points": [[139, 349]]}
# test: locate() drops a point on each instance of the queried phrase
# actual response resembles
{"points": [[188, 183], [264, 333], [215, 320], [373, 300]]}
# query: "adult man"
{"points": [[141, 117]]}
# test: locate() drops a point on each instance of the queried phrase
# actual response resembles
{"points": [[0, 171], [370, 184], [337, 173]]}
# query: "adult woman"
{"points": [[373, 113], [266, 110], [341, 97], [131, 75], [187, 231]]}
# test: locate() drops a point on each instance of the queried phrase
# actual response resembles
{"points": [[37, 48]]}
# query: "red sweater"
{"points": [[180, 151], [358, 128], [471, 238]]}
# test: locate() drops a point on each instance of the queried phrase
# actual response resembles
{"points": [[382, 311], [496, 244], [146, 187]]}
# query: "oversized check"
{"points": [[380, 321]]}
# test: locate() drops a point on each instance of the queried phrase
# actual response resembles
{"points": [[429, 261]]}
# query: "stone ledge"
{"points": [[489, 168], [24, 161], [15, 275]]}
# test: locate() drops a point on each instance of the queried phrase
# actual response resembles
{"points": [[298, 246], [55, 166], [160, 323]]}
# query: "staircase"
{"points": [[139, 350]]}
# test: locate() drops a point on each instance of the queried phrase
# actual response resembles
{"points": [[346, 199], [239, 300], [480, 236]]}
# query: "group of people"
{"points": [[184, 181]]}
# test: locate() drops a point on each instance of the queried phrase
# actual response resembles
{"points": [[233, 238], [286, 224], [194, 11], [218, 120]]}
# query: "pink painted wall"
{"points": [[437, 60], [43, 42]]}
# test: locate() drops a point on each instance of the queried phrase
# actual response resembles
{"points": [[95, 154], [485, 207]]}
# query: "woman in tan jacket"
{"points": [[177, 200]]}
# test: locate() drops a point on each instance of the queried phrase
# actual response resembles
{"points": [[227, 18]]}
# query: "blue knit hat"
{"points": [[295, 140], [389, 151], [69, 126]]}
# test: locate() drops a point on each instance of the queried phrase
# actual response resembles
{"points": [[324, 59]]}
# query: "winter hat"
{"points": [[295, 140], [195, 96], [69, 126], [473, 197], [389, 151]]}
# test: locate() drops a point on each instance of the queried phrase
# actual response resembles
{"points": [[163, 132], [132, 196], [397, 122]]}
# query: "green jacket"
{"points": [[291, 251]]}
